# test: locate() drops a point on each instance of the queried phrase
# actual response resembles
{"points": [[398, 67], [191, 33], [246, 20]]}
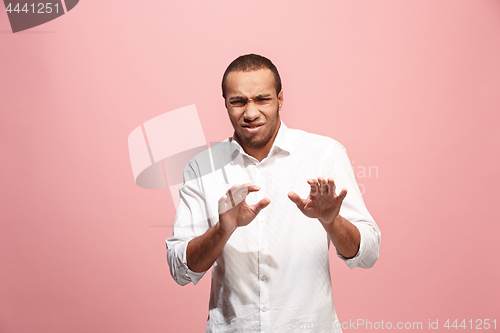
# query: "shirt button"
{"points": [[263, 278], [264, 308], [261, 249]]}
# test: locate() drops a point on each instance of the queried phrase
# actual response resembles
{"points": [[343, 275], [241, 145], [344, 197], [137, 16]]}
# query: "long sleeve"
{"points": [[353, 207], [190, 222]]}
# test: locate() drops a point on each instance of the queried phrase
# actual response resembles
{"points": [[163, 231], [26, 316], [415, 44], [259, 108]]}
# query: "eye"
{"points": [[263, 100], [238, 103]]}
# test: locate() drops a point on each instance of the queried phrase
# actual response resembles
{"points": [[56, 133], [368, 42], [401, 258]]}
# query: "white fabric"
{"points": [[272, 275]]}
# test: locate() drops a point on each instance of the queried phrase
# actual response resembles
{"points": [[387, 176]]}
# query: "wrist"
{"points": [[329, 220], [331, 224], [223, 231]]}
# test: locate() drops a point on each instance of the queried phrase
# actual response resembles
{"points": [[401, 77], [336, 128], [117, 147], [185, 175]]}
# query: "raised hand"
{"points": [[322, 202], [234, 212]]}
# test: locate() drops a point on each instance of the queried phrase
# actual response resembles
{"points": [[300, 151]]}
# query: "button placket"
{"points": [[262, 245]]}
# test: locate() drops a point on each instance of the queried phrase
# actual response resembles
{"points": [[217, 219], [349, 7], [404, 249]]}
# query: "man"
{"points": [[266, 218]]}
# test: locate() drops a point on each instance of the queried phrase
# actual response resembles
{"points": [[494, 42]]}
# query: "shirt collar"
{"points": [[283, 139]]}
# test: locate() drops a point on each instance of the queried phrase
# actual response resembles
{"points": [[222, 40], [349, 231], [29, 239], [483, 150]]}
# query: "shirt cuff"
{"points": [[192, 276], [176, 258], [352, 262], [368, 248]]}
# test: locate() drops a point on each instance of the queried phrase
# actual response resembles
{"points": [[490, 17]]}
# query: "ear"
{"points": [[280, 99]]}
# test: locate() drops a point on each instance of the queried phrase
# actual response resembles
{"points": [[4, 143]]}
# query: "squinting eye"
{"points": [[263, 101], [238, 103]]}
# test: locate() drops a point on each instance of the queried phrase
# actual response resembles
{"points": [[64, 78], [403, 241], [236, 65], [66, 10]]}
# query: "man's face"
{"points": [[253, 108]]}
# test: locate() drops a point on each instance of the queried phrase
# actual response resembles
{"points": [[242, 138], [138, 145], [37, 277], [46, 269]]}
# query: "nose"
{"points": [[251, 111]]}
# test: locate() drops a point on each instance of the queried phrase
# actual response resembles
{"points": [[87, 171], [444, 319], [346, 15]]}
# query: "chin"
{"points": [[258, 142]]}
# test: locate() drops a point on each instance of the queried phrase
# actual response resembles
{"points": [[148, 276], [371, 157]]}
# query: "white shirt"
{"points": [[273, 275]]}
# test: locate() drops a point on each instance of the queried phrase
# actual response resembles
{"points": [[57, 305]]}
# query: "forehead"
{"points": [[250, 83]]}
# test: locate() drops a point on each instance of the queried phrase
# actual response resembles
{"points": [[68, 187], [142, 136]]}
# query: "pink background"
{"points": [[411, 88]]}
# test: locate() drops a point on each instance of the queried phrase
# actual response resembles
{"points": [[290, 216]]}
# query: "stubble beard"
{"points": [[258, 143], [255, 143]]}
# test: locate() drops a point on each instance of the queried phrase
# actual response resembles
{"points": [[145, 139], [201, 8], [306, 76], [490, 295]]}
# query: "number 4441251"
{"points": [[41, 8], [478, 324]]}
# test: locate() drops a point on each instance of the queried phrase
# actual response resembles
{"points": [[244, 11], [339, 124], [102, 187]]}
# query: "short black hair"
{"points": [[248, 63]]}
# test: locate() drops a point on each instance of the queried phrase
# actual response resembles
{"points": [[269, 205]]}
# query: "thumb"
{"points": [[261, 205], [296, 200]]}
